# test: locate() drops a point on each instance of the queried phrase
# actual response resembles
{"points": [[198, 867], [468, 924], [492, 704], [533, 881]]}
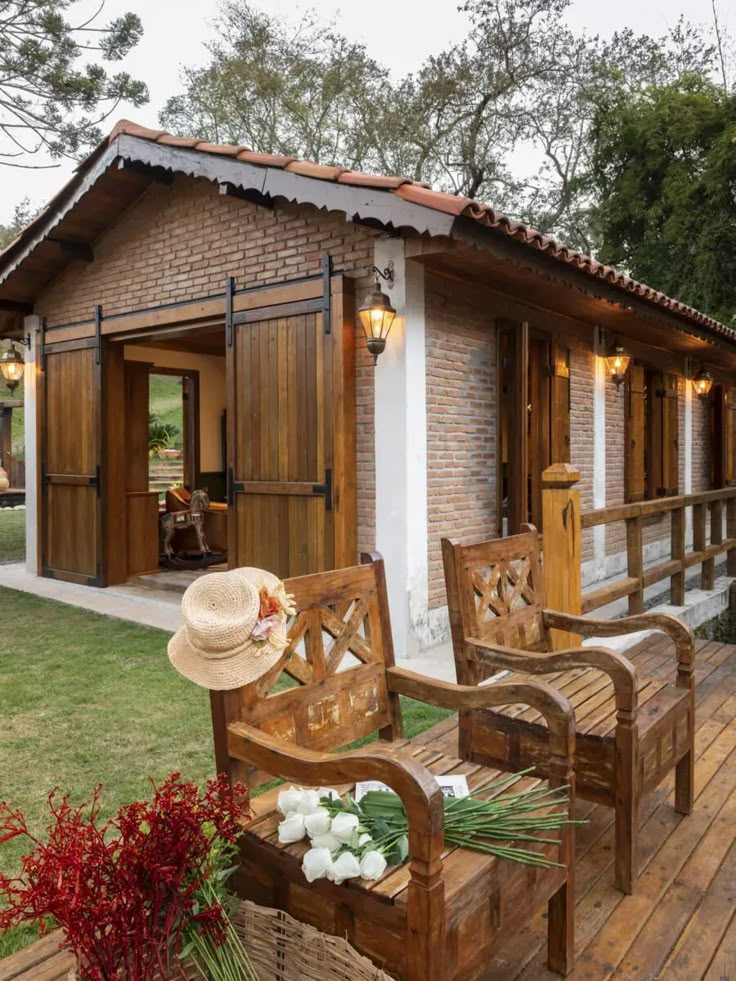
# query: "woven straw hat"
{"points": [[215, 647]]}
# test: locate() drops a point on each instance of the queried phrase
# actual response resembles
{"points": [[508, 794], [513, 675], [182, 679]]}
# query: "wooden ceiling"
{"points": [[197, 340]]}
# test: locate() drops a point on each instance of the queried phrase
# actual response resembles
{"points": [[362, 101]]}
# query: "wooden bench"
{"points": [[442, 914], [631, 730]]}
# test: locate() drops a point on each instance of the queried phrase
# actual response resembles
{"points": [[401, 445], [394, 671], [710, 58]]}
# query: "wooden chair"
{"points": [[442, 914], [630, 731]]}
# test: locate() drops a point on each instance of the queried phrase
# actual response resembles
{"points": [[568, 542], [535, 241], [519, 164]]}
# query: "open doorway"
{"points": [[175, 403]]}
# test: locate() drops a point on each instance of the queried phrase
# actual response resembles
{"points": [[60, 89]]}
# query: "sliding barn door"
{"points": [[291, 437], [71, 515]]}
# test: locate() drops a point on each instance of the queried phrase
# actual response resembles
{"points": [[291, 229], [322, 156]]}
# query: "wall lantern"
{"points": [[376, 315], [702, 383], [617, 364], [12, 365]]}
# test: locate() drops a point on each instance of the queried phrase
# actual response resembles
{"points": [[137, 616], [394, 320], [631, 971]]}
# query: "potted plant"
{"points": [[161, 437]]}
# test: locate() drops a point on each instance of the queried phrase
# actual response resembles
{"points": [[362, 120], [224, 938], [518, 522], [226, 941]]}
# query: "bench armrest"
{"points": [[554, 706], [619, 669], [679, 632]]}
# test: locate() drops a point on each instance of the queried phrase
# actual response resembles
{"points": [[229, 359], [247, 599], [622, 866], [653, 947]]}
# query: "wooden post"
{"points": [[716, 537], [635, 563], [6, 440], [699, 537], [677, 580], [730, 534], [561, 517]]}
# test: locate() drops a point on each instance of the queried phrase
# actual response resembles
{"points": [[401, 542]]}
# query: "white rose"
{"points": [[288, 800], [318, 822], [317, 864], [309, 802], [326, 841], [365, 839], [345, 866], [372, 865], [329, 792], [292, 829], [343, 826]]}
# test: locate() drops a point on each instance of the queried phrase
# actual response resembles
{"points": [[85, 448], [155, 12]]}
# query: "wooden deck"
{"points": [[680, 924]]}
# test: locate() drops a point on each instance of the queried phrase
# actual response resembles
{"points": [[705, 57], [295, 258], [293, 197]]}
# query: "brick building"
{"points": [[244, 270]]}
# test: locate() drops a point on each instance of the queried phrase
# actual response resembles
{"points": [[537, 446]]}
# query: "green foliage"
{"points": [[520, 76], [53, 93], [12, 535], [86, 699], [160, 434], [664, 168]]}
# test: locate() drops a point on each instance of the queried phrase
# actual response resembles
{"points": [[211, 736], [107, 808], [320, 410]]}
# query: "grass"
{"points": [[84, 700], [165, 401], [12, 535]]}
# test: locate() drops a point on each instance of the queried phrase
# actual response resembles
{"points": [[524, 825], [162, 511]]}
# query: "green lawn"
{"points": [[12, 535], [85, 700]]}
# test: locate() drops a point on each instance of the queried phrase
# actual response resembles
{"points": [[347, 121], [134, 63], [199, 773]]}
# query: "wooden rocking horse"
{"points": [[193, 517]]}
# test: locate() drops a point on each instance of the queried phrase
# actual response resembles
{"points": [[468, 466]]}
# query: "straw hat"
{"points": [[234, 628]]}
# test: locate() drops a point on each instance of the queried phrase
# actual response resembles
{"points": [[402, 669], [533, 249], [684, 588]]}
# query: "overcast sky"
{"points": [[398, 33]]}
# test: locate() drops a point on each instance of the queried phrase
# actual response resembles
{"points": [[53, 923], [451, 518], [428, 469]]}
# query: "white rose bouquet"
{"points": [[352, 840]]}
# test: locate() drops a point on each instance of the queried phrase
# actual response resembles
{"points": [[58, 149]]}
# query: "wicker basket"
{"points": [[283, 949]]}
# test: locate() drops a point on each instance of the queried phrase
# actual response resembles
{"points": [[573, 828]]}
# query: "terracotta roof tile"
{"points": [[418, 192], [223, 149], [265, 159], [451, 204], [306, 168], [356, 179]]}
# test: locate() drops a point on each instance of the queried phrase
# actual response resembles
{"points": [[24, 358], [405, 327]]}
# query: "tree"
{"points": [[53, 93], [664, 171], [519, 79], [298, 91], [22, 215]]}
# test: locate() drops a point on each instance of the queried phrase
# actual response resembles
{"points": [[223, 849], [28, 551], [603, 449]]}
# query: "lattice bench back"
{"points": [[495, 592], [339, 647]]}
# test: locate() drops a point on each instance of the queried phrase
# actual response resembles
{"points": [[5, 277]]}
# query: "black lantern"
{"points": [[702, 383], [11, 366], [617, 363], [376, 315]]}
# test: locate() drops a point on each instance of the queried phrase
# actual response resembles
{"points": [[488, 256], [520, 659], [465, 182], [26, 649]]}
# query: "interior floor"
{"points": [[175, 580]]}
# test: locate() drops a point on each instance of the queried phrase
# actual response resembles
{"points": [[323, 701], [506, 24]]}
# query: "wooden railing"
{"points": [[703, 552]]}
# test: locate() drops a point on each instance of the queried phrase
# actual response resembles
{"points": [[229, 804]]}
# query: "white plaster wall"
{"points": [[401, 452]]}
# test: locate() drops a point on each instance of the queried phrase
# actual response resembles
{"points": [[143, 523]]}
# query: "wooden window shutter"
{"points": [[664, 466], [560, 404], [730, 436], [635, 434]]}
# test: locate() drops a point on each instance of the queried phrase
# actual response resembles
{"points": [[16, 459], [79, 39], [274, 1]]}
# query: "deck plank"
{"points": [[680, 924]]}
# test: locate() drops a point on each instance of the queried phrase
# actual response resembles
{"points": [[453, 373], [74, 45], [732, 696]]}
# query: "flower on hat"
{"points": [[274, 605]]}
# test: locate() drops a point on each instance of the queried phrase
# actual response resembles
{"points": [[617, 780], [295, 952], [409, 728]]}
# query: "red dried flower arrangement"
{"points": [[122, 891]]}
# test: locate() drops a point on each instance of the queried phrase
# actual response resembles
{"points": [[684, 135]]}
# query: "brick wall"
{"points": [[461, 424], [701, 446], [179, 242], [582, 382]]}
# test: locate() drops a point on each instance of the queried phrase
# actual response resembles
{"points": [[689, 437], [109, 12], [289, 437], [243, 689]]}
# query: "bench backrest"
{"points": [[495, 592], [329, 687]]}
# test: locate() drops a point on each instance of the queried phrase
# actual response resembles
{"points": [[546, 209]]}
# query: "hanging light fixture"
{"points": [[617, 363], [702, 383], [12, 366], [376, 315]]}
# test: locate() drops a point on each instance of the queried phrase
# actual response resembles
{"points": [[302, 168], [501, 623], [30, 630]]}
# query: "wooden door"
{"points": [[291, 472], [72, 427]]}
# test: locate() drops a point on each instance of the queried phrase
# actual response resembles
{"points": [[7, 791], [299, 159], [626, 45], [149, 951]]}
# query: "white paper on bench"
{"points": [[452, 785]]}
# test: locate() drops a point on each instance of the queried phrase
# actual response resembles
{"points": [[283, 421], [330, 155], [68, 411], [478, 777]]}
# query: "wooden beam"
{"points": [[74, 250], [16, 306]]}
